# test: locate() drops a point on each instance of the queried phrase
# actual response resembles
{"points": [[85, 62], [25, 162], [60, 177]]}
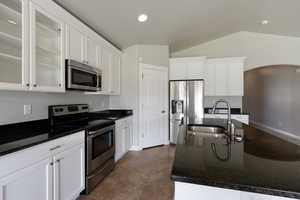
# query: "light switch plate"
{"points": [[27, 109]]}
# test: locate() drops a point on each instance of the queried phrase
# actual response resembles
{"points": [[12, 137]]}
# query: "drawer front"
{"points": [[20, 159]]}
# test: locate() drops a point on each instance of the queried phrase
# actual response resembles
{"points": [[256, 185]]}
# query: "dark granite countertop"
{"points": [[112, 114], [259, 163], [15, 137]]}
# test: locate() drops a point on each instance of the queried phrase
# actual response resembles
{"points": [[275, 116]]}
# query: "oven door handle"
{"points": [[101, 131]]}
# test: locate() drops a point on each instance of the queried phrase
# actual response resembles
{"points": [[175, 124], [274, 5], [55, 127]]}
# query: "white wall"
{"points": [[11, 104], [260, 49], [154, 54], [235, 102], [129, 98]]}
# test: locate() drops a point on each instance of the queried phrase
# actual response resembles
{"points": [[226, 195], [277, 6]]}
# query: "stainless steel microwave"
{"points": [[80, 76]]}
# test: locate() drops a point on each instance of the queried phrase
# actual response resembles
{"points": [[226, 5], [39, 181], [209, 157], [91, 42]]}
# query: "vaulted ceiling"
{"points": [[184, 23]]}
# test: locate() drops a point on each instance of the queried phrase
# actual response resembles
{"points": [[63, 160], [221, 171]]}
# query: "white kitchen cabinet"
{"points": [[104, 64], [224, 77], [91, 52], [14, 54], [221, 82], [209, 78], [80, 47], [187, 68], [178, 70], [53, 170], [195, 68], [236, 77], [47, 51], [75, 44], [123, 137], [115, 74], [34, 183], [69, 173]]}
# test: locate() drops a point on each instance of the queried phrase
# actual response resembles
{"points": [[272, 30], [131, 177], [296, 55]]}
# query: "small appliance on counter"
{"points": [[80, 76], [100, 139]]}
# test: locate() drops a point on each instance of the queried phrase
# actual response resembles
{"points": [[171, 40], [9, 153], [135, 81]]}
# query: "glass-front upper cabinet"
{"points": [[13, 58], [47, 55]]}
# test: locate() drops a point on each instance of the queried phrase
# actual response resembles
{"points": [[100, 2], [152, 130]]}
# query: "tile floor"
{"points": [[139, 175]]}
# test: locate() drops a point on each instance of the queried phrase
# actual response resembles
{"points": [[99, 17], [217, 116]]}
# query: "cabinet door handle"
{"points": [[163, 111], [34, 85], [57, 147], [27, 84], [58, 160]]}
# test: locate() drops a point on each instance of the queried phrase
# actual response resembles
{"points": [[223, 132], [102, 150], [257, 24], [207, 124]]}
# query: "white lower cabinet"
{"points": [[189, 191], [34, 182], [53, 170], [69, 173], [123, 137]]}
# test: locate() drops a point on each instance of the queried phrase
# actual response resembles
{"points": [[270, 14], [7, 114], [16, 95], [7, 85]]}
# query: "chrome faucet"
{"points": [[230, 125]]}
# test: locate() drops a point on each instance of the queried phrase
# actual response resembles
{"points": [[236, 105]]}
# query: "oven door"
{"points": [[100, 147], [81, 79]]}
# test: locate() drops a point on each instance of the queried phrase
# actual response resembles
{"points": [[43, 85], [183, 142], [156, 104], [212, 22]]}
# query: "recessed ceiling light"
{"points": [[264, 22], [143, 18], [11, 22]]}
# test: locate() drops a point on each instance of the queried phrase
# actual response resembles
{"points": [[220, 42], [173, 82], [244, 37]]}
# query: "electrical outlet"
{"points": [[27, 109]]}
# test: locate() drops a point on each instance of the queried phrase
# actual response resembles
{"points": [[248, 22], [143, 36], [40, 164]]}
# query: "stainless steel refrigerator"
{"points": [[186, 106]]}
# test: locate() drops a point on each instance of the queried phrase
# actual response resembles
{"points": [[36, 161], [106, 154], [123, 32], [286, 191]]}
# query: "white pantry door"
{"points": [[154, 105]]}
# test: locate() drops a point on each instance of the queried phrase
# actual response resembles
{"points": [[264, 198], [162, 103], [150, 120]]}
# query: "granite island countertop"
{"points": [[259, 163]]}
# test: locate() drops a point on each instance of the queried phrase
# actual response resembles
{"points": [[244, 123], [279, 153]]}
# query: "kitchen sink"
{"points": [[209, 131]]}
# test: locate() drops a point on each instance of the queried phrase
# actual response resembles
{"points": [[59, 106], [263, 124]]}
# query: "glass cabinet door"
{"points": [[47, 59], [11, 44]]}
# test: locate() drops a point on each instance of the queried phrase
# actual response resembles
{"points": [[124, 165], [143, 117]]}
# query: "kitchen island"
{"points": [[257, 166]]}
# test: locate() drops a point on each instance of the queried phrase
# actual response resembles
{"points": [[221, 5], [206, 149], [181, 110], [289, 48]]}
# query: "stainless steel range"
{"points": [[100, 139]]}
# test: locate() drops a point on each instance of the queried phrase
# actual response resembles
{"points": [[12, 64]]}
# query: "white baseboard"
{"points": [[135, 148], [277, 132]]}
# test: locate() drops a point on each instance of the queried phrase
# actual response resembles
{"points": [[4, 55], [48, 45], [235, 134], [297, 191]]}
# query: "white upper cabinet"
{"points": [[187, 68], [221, 73], [80, 47], [210, 78], [35, 39], [236, 77], [224, 77], [75, 44], [115, 74], [91, 52], [47, 51], [13, 46], [104, 66], [195, 68], [178, 70]]}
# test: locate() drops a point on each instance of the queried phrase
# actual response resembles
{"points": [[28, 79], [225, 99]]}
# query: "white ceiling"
{"points": [[184, 23]]}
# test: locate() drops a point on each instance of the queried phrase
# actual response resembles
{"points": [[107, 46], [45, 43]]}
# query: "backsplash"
{"points": [[235, 101], [12, 104]]}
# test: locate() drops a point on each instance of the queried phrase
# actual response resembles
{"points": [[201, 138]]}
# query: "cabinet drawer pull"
{"points": [[57, 147]]}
